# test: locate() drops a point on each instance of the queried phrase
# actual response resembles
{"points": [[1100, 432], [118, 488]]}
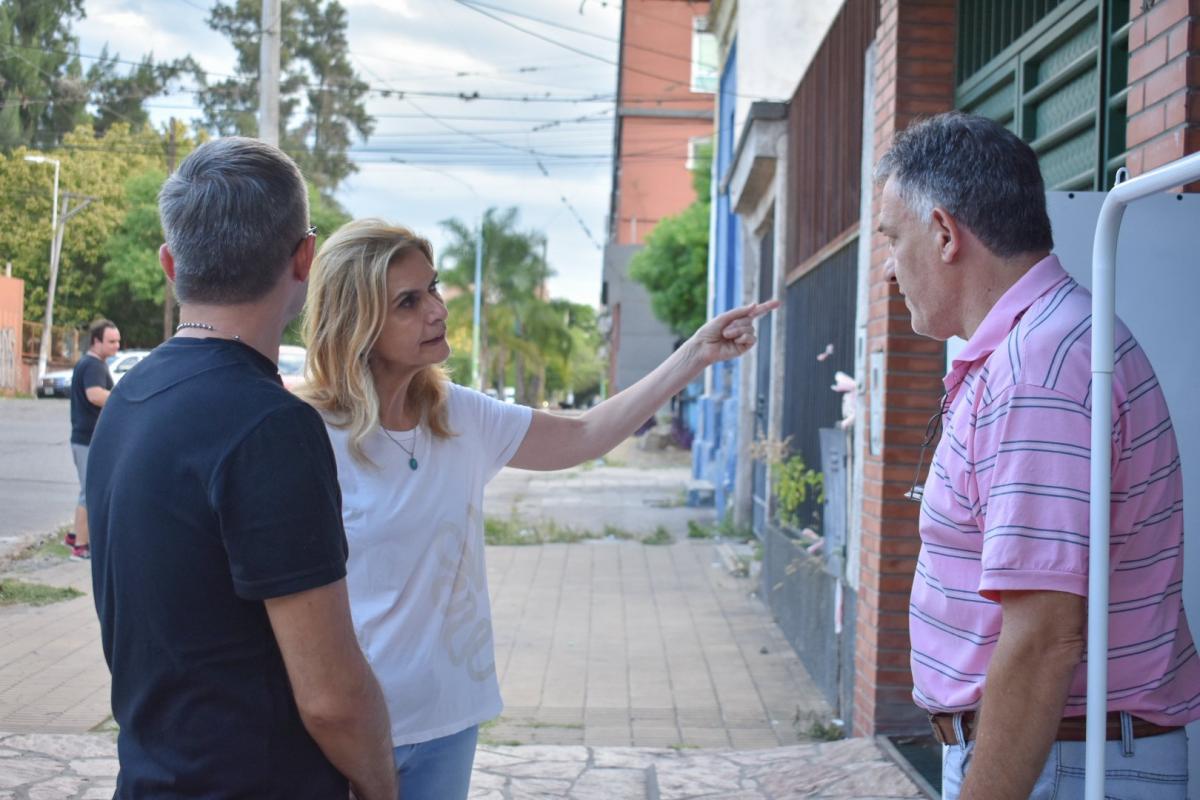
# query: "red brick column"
{"points": [[914, 77], [1164, 84]]}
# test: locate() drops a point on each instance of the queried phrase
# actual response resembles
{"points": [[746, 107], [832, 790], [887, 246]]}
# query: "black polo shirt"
{"points": [[210, 489], [89, 371]]}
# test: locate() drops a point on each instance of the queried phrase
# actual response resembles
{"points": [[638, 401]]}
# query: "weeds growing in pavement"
{"points": [[34, 594], [660, 536]]}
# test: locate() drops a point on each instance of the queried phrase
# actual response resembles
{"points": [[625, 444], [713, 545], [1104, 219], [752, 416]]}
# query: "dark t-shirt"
{"points": [[210, 488], [89, 371]]}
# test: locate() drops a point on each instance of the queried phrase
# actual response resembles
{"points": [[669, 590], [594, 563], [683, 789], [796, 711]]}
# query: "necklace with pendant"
{"points": [[411, 452]]}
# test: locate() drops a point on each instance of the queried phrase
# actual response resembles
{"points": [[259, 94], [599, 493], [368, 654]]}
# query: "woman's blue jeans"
{"points": [[439, 769]]}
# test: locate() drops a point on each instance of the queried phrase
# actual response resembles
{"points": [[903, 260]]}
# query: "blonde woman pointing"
{"points": [[414, 453]]}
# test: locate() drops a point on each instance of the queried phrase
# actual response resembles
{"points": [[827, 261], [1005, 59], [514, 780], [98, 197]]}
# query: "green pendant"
{"points": [[412, 463]]}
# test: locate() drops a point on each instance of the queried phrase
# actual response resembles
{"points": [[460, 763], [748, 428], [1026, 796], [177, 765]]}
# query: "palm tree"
{"points": [[514, 325]]}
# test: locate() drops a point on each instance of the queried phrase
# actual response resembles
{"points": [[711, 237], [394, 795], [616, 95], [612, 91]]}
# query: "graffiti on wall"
{"points": [[8, 359]]}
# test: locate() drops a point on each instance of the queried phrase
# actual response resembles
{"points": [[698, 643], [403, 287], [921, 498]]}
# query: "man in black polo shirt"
{"points": [[90, 384], [218, 550]]}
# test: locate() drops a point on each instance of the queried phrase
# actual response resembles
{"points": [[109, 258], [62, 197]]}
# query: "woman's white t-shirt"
{"points": [[416, 576]]}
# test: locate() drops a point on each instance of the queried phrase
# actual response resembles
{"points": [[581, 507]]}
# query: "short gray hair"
{"points": [[980, 172], [232, 215]]}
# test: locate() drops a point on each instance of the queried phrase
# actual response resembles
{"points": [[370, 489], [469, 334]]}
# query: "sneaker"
{"points": [[81, 553], [69, 539]]}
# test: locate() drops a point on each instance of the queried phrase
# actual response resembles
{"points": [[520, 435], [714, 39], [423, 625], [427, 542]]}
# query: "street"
{"points": [[38, 487]]}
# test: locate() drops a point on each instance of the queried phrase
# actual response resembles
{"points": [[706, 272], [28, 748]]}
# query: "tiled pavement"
{"points": [[631, 670], [84, 766], [619, 644]]}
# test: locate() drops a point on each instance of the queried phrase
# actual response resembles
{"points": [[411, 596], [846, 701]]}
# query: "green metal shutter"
{"points": [[1041, 67]]}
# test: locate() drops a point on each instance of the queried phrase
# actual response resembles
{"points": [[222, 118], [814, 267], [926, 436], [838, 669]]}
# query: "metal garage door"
{"points": [[1041, 67]]}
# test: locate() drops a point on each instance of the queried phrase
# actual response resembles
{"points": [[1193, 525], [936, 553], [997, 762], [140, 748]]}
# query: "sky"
{"points": [[459, 156]]}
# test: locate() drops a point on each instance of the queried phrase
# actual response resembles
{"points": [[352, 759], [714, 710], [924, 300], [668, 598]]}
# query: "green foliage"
{"points": [[318, 86], [14, 592], [698, 531], [793, 483], [121, 98], [513, 531], [99, 168], [673, 266], [37, 66], [328, 216], [542, 347], [133, 279], [44, 91], [660, 536]]}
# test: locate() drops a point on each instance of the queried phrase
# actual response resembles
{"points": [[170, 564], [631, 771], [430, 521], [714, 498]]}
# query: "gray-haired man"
{"points": [[218, 549], [999, 599]]}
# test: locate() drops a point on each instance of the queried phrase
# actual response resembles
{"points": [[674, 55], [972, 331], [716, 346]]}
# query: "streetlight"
{"points": [[48, 320], [55, 162], [475, 372]]}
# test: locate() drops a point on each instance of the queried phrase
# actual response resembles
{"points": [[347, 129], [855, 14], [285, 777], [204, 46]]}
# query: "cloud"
{"points": [[424, 45]]}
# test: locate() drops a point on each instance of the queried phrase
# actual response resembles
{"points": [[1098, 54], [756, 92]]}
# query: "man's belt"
{"points": [[1070, 729]]}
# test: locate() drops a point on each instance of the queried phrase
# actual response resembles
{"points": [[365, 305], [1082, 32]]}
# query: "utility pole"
{"points": [[168, 296], [268, 72], [44, 348], [55, 254]]}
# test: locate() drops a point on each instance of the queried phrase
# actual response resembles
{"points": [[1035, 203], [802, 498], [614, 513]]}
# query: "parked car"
{"points": [[291, 365], [55, 384], [123, 361], [58, 382]]}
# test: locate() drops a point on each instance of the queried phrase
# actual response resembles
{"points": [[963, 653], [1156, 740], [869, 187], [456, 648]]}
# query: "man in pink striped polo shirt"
{"points": [[998, 609]]}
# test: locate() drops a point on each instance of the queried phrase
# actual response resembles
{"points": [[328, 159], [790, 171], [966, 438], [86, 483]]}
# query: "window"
{"points": [[704, 58], [696, 145]]}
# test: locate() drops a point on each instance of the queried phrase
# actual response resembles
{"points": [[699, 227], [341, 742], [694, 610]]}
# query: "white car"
{"points": [[123, 361], [58, 382]]}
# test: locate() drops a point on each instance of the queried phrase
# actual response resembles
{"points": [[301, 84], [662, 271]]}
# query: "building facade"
{"points": [[1093, 86], [664, 110]]}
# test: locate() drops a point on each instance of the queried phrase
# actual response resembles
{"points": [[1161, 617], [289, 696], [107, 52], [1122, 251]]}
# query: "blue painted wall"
{"points": [[715, 448]]}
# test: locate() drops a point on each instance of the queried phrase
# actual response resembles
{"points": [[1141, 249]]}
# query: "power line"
{"points": [[582, 32], [465, 4]]}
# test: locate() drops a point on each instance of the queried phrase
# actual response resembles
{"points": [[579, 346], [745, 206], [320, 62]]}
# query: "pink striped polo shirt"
{"points": [[1006, 507]]}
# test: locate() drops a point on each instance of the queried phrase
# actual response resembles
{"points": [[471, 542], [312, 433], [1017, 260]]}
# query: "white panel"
{"points": [[1158, 298]]}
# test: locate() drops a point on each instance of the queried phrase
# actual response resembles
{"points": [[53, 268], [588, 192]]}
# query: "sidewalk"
{"points": [[84, 766], [628, 670]]}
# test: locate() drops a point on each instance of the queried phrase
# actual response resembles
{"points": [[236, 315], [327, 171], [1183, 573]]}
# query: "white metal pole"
{"points": [[1104, 292], [476, 373], [268, 72], [54, 206], [48, 317]]}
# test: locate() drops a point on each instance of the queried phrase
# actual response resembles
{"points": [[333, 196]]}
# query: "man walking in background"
{"points": [[219, 556], [91, 383]]}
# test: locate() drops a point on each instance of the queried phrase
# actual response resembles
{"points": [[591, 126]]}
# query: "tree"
{"points": [[328, 216], [673, 266], [121, 98], [542, 347], [44, 91], [101, 168], [41, 83], [132, 278], [318, 85], [581, 369]]}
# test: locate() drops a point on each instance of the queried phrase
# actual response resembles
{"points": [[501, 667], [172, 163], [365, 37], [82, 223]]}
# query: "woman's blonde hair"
{"points": [[347, 305]]}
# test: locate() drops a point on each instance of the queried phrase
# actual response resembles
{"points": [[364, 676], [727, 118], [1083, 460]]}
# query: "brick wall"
{"points": [[1164, 84], [914, 77]]}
